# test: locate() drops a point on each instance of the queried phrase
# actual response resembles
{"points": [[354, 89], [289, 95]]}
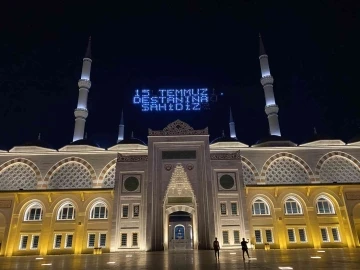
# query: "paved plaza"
{"points": [[229, 259]]}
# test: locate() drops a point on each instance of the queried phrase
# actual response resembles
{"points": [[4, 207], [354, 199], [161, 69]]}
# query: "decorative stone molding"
{"points": [[105, 170], [353, 195], [109, 178], [134, 158], [284, 170], [70, 159], [251, 166], [25, 161], [176, 128], [286, 155], [183, 208], [331, 154], [226, 156], [168, 167], [338, 167], [189, 166]]}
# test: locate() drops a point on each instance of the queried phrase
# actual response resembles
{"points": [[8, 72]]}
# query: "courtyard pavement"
{"points": [[203, 259]]}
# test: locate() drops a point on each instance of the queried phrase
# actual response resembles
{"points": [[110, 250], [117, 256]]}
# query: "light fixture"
{"points": [[110, 262], [232, 253], [46, 264], [128, 256], [39, 258], [315, 257], [321, 251], [252, 259], [285, 267]]}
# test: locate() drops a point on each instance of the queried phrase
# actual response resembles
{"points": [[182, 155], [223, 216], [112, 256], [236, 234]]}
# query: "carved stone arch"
{"points": [[248, 167], [338, 172], [107, 175], [106, 169], [183, 208], [65, 161], [288, 158], [25, 163]]}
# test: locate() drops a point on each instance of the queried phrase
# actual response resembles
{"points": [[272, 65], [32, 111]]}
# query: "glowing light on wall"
{"points": [[171, 99]]}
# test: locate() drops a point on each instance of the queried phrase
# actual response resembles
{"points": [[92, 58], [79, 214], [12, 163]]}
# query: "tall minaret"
{"points": [[232, 126], [121, 128], [81, 112], [267, 81]]}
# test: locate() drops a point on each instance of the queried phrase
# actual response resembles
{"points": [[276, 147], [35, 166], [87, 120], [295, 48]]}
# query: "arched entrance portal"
{"points": [[180, 231], [180, 204], [180, 228]]}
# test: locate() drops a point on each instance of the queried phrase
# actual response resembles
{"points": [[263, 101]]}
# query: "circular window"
{"points": [[227, 182], [131, 183]]}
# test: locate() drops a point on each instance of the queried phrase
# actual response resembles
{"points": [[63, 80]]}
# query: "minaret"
{"points": [[81, 112], [232, 126], [267, 81], [121, 128]]}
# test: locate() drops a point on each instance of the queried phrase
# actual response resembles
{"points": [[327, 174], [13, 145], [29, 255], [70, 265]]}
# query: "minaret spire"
{"points": [[267, 81], [232, 126], [81, 112], [121, 128]]}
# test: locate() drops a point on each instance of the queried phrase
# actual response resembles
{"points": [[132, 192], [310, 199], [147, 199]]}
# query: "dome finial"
{"points": [[132, 134], [39, 136]]}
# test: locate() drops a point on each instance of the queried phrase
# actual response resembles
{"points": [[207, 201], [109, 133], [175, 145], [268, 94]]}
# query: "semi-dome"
{"points": [[38, 143], [82, 145], [354, 140], [85, 142], [132, 141], [225, 141], [274, 141], [318, 139]]}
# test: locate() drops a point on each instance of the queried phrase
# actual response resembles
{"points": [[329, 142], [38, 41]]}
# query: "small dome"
{"points": [[224, 139], [355, 139], [274, 141], [38, 143], [318, 137], [85, 142], [132, 141]]}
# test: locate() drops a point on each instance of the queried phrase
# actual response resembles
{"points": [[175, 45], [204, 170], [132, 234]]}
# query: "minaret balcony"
{"points": [[267, 80], [271, 109], [81, 113], [84, 83]]}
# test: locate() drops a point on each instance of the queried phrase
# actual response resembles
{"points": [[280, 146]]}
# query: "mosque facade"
{"points": [[179, 190]]}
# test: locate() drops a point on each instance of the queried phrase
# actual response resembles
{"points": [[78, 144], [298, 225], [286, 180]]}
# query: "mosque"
{"points": [[179, 190]]}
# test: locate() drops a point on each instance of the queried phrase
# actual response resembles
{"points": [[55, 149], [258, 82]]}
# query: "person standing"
{"points": [[216, 246], [244, 248]]}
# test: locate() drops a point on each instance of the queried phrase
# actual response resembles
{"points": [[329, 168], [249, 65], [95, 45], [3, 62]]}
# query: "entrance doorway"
{"points": [[180, 231], [180, 228]]}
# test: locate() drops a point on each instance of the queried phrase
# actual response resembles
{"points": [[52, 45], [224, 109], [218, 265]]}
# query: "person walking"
{"points": [[216, 246], [244, 248]]}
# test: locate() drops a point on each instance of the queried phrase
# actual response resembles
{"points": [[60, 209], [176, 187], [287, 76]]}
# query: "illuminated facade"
{"points": [[179, 190]]}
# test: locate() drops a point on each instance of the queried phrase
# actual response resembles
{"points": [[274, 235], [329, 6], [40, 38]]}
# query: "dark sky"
{"points": [[313, 50]]}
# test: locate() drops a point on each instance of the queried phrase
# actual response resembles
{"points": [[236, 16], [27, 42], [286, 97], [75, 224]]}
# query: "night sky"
{"points": [[313, 53]]}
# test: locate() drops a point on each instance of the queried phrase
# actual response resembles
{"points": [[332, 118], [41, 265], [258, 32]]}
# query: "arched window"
{"points": [[99, 211], [260, 207], [33, 212], [292, 207], [66, 212], [324, 206]]}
